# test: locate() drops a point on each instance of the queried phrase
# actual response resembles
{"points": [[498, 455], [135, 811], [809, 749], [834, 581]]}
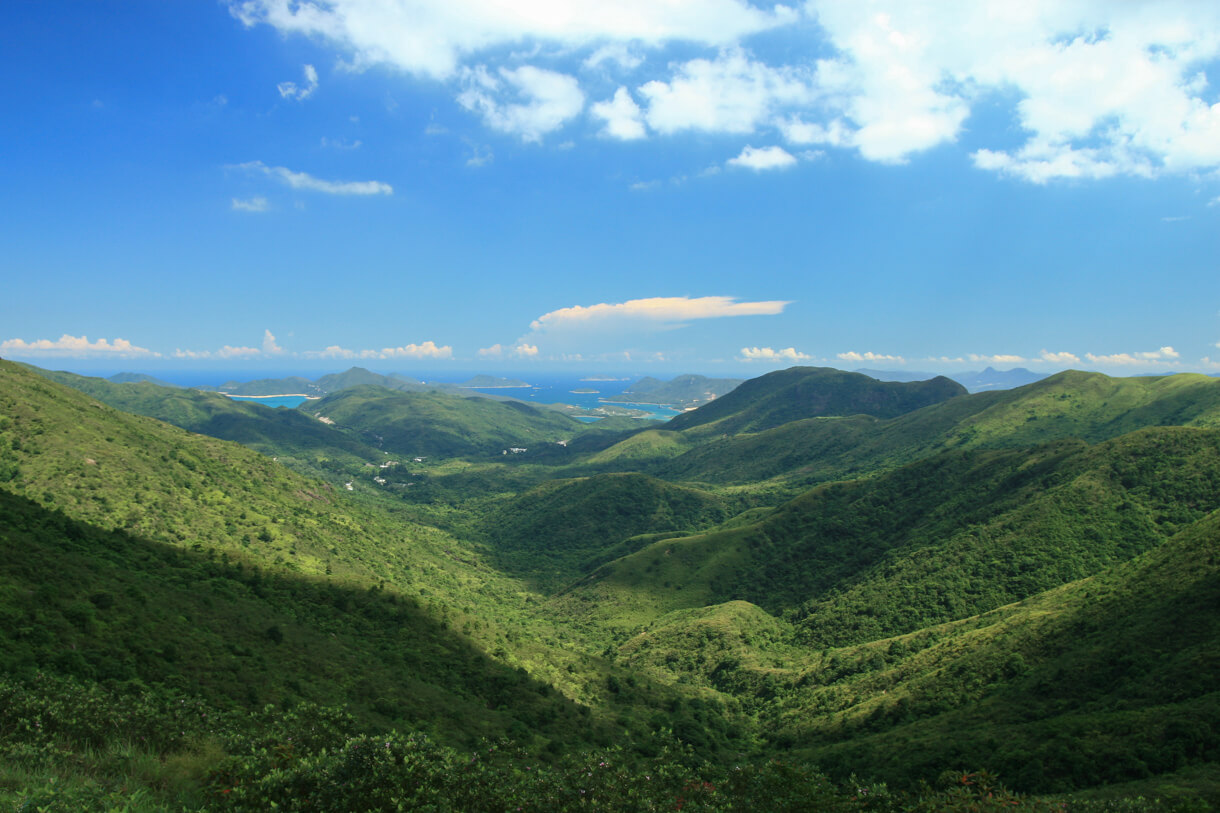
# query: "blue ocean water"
{"points": [[577, 390], [285, 401]]}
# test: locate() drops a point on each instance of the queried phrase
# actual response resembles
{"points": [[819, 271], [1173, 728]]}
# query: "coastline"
{"points": [[279, 395]]}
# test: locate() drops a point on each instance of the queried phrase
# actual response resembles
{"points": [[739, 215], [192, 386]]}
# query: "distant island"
{"points": [[489, 382], [683, 392], [585, 391]]}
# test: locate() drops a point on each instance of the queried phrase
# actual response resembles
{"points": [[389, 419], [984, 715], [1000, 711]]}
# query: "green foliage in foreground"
{"points": [[66, 746], [107, 606]]}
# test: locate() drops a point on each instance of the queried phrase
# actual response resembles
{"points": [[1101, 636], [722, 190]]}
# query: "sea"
{"points": [[551, 388]]}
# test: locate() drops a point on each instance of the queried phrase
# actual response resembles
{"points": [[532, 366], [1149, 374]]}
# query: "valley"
{"points": [[813, 590]]}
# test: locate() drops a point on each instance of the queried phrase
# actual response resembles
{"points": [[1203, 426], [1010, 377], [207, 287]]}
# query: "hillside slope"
{"points": [[953, 535], [274, 432], [1088, 406], [439, 425], [806, 392], [558, 530]]}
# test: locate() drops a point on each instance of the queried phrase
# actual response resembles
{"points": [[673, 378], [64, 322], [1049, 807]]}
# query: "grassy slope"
{"points": [[129, 473], [110, 606], [558, 530], [1104, 680], [1099, 681], [274, 432], [953, 535], [438, 425], [1090, 406], [805, 392]]}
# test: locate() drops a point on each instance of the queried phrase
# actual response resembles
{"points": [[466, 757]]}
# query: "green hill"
{"points": [[557, 530], [439, 425], [112, 607], [682, 392], [100, 500], [950, 536], [274, 432], [1106, 680], [293, 385], [806, 392], [1089, 406]]}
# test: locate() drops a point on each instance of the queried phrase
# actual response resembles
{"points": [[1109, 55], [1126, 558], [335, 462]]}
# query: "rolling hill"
{"points": [[439, 425], [807, 392]]}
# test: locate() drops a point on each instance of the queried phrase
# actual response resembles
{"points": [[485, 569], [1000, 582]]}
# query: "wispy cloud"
{"points": [[662, 311], [299, 93], [527, 102], [301, 180], [74, 347], [341, 144], [257, 204]]}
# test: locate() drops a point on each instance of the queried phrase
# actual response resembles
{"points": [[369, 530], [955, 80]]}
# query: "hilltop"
{"points": [[808, 392]]}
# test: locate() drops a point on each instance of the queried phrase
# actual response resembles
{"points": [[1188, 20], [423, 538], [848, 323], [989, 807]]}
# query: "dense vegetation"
{"points": [[807, 392], [824, 593]]}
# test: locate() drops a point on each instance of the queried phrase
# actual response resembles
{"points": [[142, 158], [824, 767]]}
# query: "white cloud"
{"points": [[852, 355], [269, 345], [495, 351], [1002, 358], [301, 180], [1095, 89], [617, 53], [664, 311], [1059, 358], [226, 352], [426, 350], [433, 37], [74, 347], [762, 158], [251, 205], [229, 352], [622, 116], [526, 350], [1164, 356], [730, 94], [548, 99], [291, 90], [788, 354], [418, 351], [480, 155]]}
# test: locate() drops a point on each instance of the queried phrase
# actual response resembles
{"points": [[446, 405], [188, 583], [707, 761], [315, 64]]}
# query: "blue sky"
{"points": [[687, 186]]}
